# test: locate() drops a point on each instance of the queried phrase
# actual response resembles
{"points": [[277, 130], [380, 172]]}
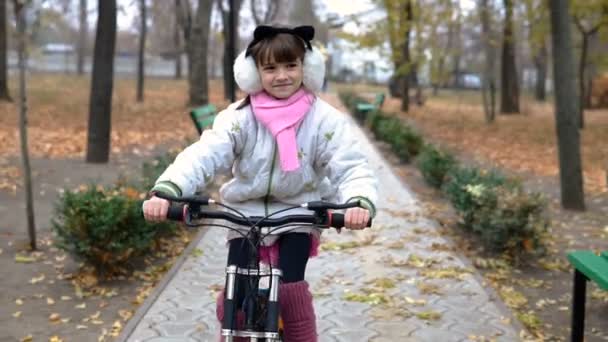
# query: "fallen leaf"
{"points": [[81, 327], [54, 317], [28, 338], [38, 279], [17, 314], [429, 315], [55, 339], [24, 259], [197, 252], [125, 314], [80, 306], [18, 301], [50, 301], [66, 298]]}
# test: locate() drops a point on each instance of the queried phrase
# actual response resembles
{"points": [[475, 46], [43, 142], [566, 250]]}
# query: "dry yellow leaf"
{"points": [[95, 315], [55, 339], [66, 298], [38, 279], [17, 314], [81, 306], [54, 317], [81, 327], [28, 338], [50, 301], [19, 301], [125, 314]]}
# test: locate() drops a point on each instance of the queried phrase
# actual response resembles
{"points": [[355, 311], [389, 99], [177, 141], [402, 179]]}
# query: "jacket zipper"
{"points": [[267, 197]]}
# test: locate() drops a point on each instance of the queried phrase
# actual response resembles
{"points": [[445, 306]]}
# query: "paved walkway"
{"points": [[435, 296]]}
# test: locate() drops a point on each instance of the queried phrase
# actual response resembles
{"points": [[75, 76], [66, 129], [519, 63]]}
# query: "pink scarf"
{"points": [[281, 117]]}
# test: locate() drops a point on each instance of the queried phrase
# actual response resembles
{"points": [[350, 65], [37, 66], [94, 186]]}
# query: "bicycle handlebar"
{"points": [[322, 215]]}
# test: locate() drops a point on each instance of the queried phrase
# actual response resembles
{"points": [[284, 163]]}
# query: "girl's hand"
{"points": [[155, 209], [356, 218]]}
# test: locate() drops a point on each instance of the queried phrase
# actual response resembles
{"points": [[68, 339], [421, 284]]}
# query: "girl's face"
{"points": [[281, 80]]}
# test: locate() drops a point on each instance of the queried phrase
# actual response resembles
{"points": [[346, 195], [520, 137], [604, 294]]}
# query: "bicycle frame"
{"points": [[269, 330]]}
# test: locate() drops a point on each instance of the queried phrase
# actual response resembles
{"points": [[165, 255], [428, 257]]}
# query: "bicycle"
{"points": [[260, 305]]}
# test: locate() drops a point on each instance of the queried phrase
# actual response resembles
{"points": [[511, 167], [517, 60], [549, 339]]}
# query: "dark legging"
{"points": [[294, 250]]}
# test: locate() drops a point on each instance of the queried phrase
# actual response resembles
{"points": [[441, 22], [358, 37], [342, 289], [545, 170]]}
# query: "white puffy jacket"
{"points": [[332, 166]]}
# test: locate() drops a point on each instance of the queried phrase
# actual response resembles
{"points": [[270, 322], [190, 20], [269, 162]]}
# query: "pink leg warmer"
{"points": [[297, 312]]}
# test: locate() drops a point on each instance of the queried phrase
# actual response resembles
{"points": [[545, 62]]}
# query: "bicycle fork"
{"points": [[229, 325]]}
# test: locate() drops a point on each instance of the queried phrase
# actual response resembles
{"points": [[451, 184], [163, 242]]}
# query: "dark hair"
{"points": [[282, 48]]}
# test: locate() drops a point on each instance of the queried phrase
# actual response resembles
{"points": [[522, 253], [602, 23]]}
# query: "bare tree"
{"points": [[566, 108], [590, 17], [4, 94], [100, 102], [228, 32], [270, 9], [488, 89], [177, 42], [83, 31], [142, 50], [407, 19], [199, 83], [19, 7], [509, 90]]}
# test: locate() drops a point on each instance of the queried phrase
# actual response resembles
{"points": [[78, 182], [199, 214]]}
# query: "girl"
{"points": [[283, 146]]}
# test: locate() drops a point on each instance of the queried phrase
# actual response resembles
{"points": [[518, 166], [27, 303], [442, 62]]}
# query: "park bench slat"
{"points": [[203, 116], [368, 107], [592, 266]]}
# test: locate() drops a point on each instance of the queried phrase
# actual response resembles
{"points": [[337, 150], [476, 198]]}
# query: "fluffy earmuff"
{"points": [[248, 79]]}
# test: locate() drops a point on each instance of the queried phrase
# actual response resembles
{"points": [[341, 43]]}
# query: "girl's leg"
{"points": [[295, 299]]}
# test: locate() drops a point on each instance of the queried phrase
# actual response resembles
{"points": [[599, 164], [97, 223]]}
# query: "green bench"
{"points": [[588, 266], [364, 107], [203, 117]]}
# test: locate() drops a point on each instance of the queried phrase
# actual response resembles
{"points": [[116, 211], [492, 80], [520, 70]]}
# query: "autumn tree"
{"points": [[4, 94], [589, 17], [83, 31], [19, 7], [537, 19], [264, 12], [141, 50], [229, 31], [196, 38], [100, 102], [488, 88], [566, 108], [509, 89]]}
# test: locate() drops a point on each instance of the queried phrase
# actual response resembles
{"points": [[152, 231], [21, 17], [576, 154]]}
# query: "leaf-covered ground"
{"points": [[523, 146]]}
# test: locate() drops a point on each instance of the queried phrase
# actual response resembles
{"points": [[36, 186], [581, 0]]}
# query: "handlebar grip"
{"points": [[337, 221], [176, 212]]}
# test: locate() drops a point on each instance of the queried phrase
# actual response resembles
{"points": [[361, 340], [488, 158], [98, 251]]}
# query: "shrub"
{"points": [[104, 227], [498, 210], [434, 165], [510, 220]]}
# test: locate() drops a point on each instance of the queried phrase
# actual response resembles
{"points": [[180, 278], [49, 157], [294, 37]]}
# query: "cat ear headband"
{"points": [[246, 72]]}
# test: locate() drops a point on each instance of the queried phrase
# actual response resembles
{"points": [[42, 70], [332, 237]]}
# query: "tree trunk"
{"points": [[178, 45], [142, 50], [581, 80], [489, 83], [100, 102], [540, 62], [509, 99], [406, 58], [199, 88], [227, 59], [27, 172], [82, 37], [4, 94], [566, 108]]}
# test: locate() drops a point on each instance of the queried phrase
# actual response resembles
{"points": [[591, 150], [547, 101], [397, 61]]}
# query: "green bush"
{"points": [[434, 165], [404, 141], [104, 227], [463, 183], [498, 210], [510, 220]]}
